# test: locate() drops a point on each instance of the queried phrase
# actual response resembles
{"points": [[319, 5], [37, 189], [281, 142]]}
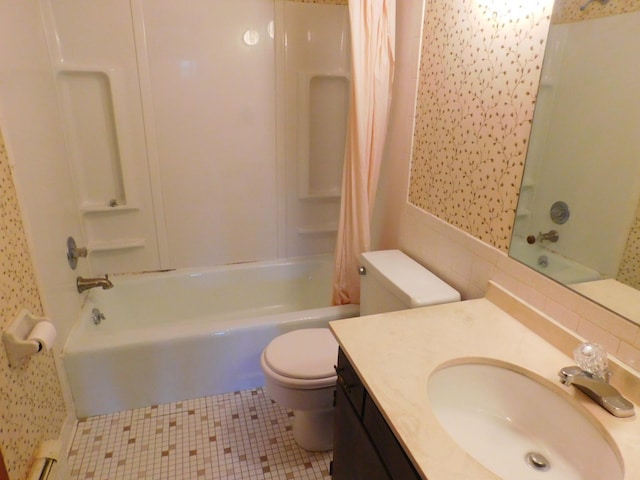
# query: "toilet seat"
{"points": [[302, 358]]}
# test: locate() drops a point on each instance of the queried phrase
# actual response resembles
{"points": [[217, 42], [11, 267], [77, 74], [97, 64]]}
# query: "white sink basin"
{"points": [[518, 427]]}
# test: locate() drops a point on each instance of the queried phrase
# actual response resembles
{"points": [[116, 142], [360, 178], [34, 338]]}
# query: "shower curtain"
{"points": [[372, 62]]}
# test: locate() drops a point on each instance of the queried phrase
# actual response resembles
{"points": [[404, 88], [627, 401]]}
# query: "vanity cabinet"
{"points": [[364, 446]]}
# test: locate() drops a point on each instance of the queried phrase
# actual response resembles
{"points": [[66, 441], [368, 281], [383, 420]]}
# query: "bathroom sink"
{"points": [[516, 425]]}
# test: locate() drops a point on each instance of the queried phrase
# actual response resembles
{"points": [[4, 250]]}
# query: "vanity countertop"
{"points": [[395, 353]]}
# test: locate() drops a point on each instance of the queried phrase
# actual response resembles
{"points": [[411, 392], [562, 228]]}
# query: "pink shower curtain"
{"points": [[372, 62]]}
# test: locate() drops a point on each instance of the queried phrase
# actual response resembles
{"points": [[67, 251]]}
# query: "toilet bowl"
{"points": [[299, 375], [299, 366]]}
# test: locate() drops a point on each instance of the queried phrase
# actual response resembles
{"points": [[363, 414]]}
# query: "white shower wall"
{"points": [[211, 78], [93, 58], [313, 84], [215, 128], [584, 141], [248, 157]]}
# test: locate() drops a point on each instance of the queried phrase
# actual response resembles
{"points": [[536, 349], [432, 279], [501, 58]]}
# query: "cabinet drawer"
{"points": [[393, 456], [350, 382]]}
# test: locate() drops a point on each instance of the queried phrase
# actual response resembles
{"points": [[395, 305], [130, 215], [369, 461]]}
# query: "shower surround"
{"points": [[209, 133]]}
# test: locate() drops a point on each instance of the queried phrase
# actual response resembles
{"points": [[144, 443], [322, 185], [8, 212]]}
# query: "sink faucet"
{"points": [[598, 389], [86, 283]]}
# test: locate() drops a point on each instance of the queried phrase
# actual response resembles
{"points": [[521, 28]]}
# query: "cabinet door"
{"points": [[348, 379], [354, 456], [391, 452]]}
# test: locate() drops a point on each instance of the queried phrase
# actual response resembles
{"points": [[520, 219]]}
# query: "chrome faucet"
{"points": [[86, 283], [550, 236], [598, 389]]}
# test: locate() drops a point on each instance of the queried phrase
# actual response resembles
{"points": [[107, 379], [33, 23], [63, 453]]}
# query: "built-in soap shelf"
{"points": [[527, 183], [95, 118], [97, 126], [105, 207], [323, 103], [332, 194], [317, 230], [546, 82], [526, 190], [95, 247]]}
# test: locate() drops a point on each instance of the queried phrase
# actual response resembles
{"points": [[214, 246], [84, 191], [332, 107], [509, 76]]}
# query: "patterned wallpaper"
{"points": [[480, 69], [629, 272], [31, 405]]}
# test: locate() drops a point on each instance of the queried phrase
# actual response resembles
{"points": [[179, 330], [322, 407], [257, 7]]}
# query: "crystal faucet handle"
{"points": [[592, 358]]}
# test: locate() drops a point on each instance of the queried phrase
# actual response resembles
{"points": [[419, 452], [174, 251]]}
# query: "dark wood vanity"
{"points": [[364, 446]]}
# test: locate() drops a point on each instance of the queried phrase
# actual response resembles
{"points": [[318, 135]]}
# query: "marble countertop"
{"points": [[395, 353]]}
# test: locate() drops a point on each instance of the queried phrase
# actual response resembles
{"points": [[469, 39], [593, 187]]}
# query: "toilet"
{"points": [[299, 366]]}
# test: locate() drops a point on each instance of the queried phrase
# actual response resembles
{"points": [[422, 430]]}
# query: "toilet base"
{"points": [[313, 430]]}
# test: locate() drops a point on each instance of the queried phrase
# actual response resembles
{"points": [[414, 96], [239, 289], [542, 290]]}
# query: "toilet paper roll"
{"points": [[44, 333]]}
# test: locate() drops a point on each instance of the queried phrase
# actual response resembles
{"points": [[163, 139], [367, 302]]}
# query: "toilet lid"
{"points": [[306, 354]]}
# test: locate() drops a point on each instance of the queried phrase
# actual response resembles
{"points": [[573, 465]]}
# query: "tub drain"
{"points": [[537, 461]]}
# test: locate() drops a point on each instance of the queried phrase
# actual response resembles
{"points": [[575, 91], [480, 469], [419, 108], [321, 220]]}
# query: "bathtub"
{"points": [[550, 263], [189, 333]]}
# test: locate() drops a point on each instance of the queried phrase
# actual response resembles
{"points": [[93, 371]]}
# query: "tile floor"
{"points": [[241, 435]]}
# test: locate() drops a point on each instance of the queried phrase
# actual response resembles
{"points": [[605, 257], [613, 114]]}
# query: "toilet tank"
{"points": [[393, 281]]}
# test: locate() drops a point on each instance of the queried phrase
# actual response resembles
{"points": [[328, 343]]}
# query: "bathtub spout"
{"points": [[87, 283]]}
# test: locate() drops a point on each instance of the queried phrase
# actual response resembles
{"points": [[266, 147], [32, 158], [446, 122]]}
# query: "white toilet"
{"points": [[299, 365]]}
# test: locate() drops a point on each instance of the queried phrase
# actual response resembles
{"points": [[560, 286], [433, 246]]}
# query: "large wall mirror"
{"points": [[578, 216]]}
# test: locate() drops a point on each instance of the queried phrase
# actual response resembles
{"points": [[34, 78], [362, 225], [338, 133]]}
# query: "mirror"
{"points": [[578, 216]]}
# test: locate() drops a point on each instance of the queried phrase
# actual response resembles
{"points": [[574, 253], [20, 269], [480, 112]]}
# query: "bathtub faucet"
{"points": [[87, 283], [551, 236]]}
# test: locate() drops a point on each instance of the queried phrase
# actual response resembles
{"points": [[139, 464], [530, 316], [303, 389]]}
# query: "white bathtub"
{"points": [[550, 263], [189, 333]]}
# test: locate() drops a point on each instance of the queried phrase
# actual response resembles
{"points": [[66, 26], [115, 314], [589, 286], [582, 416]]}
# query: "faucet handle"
{"points": [[592, 358]]}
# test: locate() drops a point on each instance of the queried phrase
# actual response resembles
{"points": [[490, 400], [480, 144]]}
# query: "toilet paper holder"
{"points": [[21, 340], [46, 456]]}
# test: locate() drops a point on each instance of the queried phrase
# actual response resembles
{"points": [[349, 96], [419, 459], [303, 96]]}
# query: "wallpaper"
{"points": [[629, 272], [566, 11], [31, 405], [479, 76]]}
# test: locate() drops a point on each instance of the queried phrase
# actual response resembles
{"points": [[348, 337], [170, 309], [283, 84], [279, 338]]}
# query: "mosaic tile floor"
{"points": [[241, 435]]}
